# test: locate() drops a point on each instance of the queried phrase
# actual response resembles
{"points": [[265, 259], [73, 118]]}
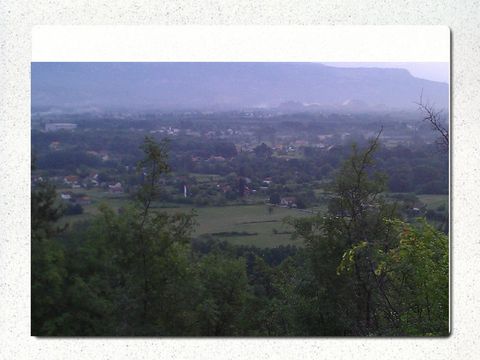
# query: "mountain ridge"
{"points": [[228, 86]]}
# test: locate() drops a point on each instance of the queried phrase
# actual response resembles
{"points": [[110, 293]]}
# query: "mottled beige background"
{"points": [[16, 21]]}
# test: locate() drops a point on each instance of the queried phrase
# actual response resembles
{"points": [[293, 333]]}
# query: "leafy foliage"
{"points": [[388, 277], [48, 261], [361, 270]]}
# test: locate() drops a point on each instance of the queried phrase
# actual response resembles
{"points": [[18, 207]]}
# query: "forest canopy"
{"points": [[358, 269]]}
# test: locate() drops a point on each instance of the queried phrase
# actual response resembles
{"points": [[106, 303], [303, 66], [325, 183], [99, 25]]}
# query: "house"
{"points": [[66, 196], [267, 181], [192, 133], [225, 188], [301, 143], [70, 179], [84, 200], [54, 145], [92, 180], [104, 155], [216, 158], [324, 137], [288, 201], [117, 188]]}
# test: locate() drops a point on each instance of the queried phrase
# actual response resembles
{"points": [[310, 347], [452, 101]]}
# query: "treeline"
{"points": [[361, 271], [421, 169]]}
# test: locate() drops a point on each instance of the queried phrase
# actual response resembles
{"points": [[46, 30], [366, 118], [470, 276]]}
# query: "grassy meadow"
{"points": [[238, 224]]}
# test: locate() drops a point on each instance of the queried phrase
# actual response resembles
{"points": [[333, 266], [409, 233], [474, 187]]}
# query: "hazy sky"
{"points": [[436, 71]]}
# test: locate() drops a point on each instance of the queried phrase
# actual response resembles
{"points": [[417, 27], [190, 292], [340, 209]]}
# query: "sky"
{"points": [[435, 71]]}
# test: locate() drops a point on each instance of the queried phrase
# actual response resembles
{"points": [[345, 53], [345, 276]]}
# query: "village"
{"points": [[244, 160]]}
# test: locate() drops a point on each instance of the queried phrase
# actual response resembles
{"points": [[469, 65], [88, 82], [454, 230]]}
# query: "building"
{"points": [[66, 196], [54, 145], [84, 200], [70, 179], [288, 201], [216, 158], [117, 188]]}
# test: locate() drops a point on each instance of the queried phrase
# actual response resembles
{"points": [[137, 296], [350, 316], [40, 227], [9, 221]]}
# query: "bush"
{"points": [[74, 209]]}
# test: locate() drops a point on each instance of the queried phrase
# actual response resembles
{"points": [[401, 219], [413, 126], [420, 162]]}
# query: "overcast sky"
{"points": [[436, 71]]}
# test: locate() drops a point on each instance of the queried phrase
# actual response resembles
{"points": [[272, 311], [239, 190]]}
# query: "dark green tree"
{"points": [[130, 271], [47, 261], [263, 151], [151, 251], [355, 216], [223, 295]]}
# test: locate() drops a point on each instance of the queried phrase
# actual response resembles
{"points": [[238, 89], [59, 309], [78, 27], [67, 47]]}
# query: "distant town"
{"points": [[230, 158]]}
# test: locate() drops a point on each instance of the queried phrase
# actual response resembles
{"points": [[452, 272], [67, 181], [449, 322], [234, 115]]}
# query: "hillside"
{"points": [[228, 86]]}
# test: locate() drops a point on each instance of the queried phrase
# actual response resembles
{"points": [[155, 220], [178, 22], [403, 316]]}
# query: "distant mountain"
{"points": [[228, 86]]}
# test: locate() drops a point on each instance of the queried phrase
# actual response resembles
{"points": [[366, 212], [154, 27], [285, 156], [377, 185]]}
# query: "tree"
{"points": [[74, 209], [275, 198], [48, 261], [355, 217], [130, 270], [160, 237], [222, 295], [152, 167], [434, 117], [411, 279], [263, 151], [417, 274], [392, 277], [242, 183]]}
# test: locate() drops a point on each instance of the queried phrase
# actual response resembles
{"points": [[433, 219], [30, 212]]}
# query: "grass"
{"points": [[253, 221], [97, 196], [206, 178], [434, 201], [251, 224]]}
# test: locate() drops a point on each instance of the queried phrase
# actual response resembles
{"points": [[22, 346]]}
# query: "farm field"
{"points": [[245, 224], [434, 201], [238, 224]]}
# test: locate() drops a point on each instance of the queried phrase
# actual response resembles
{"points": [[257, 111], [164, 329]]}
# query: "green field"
{"points": [[434, 201], [97, 197], [248, 224], [238, 224]]}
